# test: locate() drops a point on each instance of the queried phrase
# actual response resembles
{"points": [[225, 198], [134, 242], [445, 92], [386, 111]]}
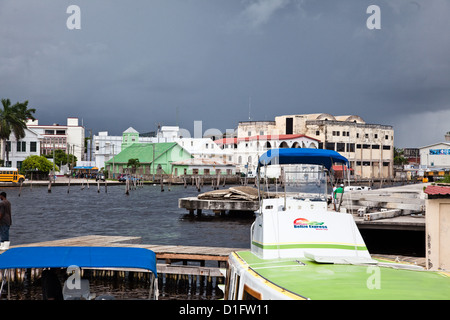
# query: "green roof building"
{"points": [[154, 158]]}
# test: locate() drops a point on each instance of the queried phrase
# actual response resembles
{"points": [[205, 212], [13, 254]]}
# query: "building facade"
{"points": [[247, 150], [17, 151], [368, 147], [154, 158], [69, 137]]}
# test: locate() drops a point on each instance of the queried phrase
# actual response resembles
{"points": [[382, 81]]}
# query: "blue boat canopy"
{"points": [[301, 156], [83, 257]]}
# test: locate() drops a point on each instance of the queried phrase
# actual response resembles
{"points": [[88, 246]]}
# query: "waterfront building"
{"points": [[106, 146], [435, 160], [369, 147], [246, 150], [436, 155], [205, 148], [69, 137], [17, 151], [154, 158], [203, 166]]}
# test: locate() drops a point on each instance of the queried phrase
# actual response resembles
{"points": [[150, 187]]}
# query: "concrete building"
{"points": [[202, 166], [435, 155], [369, 147], [247, 150], [205, 148], [69, 137], [438, 227], [17, 151]]}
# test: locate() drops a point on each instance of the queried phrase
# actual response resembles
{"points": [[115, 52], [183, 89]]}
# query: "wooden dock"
{"points": [[184, 260]]}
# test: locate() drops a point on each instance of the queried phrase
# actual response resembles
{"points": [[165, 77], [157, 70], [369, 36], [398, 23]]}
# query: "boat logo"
{"points": [[305, 223]]}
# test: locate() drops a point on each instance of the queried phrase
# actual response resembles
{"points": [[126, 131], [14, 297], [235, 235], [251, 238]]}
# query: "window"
{"points": [[49, 132], [317, 132], [329, 145], [21, 146], [61, 132], [376, 146], [350, 147], [386, 147], [340, 147], [289, 125], [33, 146]]}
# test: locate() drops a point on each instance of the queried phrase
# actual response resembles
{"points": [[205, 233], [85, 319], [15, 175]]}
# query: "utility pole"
{"points": [[54, 166]]}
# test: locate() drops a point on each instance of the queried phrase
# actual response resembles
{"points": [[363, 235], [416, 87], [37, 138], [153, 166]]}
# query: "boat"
{"points": [[71, 262], [302, 249]]}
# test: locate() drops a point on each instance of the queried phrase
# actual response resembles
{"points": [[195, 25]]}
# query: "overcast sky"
{"points": [[139, 63]]}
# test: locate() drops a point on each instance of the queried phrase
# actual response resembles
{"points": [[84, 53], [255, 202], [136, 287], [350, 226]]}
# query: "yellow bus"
{"points": [[10, 175]]}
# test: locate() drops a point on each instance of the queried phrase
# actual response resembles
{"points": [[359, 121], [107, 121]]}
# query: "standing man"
{"points": [[338, 193], [5, 221]]}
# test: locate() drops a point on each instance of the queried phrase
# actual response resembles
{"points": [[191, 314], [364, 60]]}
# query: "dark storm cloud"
{"points": [[173, 62]]}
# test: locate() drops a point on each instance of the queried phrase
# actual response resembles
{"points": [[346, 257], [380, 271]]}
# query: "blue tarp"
{"points": [[83, 257], [301, 156]]}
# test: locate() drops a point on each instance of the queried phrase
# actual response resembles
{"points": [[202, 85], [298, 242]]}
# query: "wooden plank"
{"points": [[172, 252], [189, 270]]}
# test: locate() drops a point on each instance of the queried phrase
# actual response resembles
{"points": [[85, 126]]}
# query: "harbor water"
{"points": [[154, 216], [145, 212]]}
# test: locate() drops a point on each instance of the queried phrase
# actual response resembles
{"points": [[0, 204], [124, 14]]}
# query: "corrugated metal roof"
{"points": [[143, 152]]}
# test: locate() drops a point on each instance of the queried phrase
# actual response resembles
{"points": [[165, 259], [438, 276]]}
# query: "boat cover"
{"points": [[302, 156], [83, 257]]}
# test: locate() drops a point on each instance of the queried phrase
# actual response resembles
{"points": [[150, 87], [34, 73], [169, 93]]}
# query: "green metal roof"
{"points": [[143, 152]]}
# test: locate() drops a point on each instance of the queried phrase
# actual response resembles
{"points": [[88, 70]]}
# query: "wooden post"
{"points": [[68, 185], [49, 184]]}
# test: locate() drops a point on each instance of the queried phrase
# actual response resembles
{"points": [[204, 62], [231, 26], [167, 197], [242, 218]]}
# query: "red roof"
{"points": [[339, 168], [437, 190], [263, 138]]}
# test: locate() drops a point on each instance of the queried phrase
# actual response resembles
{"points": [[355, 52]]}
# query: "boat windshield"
{"points": [[305, 181]]}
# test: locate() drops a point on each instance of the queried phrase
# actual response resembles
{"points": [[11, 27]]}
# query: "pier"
{"points": [[180, 260]]}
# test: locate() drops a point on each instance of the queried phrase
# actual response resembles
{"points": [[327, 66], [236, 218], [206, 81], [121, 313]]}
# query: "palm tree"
{"points": [[13, 120], [134, 164]]}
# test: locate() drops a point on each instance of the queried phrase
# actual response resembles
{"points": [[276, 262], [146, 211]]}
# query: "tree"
{"points": [[399, 159], [134, 164], [37, 163], [61, 157], [13, 120]]}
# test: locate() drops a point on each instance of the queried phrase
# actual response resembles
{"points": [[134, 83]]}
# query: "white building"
{"points": [[205, 148], [69, 137], [435, 155], [19, 150], [247, 150]]}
